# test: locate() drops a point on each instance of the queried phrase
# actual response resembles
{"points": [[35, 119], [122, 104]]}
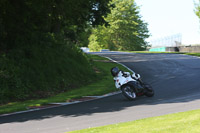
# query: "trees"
{"points": [[26, 19], [197, 9], [38, 45], [99, 38], [126, 30]]}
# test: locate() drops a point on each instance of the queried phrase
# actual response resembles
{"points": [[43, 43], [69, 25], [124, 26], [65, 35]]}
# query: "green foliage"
{"points": [[197, 9], [126, 30], [23, 19], [38, 45], [93, 43], [98, 39]]}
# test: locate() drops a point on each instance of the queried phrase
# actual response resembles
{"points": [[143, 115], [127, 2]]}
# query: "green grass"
{"points": [[151, 52], [184, 122], [102, 86], [193, 54]]}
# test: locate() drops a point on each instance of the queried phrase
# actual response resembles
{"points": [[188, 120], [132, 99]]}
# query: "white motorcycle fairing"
{"points": [[132, 86], [120, 79]]}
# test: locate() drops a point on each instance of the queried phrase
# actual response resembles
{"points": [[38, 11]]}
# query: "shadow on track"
{"points": [[108, 104], [173, 79]]}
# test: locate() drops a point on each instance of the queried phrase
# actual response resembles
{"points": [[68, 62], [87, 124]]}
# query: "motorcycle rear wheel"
{"points": [[128, 92], [149, 90]]}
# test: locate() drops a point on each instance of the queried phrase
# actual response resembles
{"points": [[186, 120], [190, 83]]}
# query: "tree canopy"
{"points": [[38, 45], [197, 9], [23, 20], [125, 31]]}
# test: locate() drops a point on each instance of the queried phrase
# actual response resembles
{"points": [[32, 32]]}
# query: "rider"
{"points": [[116, 73]]}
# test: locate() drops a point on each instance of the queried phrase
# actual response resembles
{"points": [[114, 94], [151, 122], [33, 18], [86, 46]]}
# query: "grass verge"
{"points": [[193, 54], [151, 52], [184, 122], [102, 86]]}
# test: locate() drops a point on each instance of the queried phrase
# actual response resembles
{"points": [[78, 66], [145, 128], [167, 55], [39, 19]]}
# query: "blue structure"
{"points": [[162, 49]]}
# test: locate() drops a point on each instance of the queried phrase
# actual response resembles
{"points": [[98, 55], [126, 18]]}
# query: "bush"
{"points": [[42, 70]]}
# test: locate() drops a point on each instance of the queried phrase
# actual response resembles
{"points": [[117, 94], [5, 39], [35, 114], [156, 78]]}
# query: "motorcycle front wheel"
{"points": [[128, 92]]}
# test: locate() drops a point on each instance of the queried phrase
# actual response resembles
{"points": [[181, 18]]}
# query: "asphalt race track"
{"points": [[174, 77]]}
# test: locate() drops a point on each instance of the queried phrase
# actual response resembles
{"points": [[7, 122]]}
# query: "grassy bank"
{"points": [[185, 122], [40, 71], [104, 84]]}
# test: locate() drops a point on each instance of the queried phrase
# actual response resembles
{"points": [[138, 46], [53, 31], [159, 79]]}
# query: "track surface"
{"points": [[175, 78]]}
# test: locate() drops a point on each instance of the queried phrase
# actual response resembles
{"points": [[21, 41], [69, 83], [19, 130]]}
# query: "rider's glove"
{"points": [[136, 76]]}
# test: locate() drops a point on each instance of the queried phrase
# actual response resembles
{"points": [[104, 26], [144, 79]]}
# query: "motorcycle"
{"points": [[131, 85]]}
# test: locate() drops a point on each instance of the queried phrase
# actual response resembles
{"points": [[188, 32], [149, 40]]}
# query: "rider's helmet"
{"points": [[114, 71]]}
